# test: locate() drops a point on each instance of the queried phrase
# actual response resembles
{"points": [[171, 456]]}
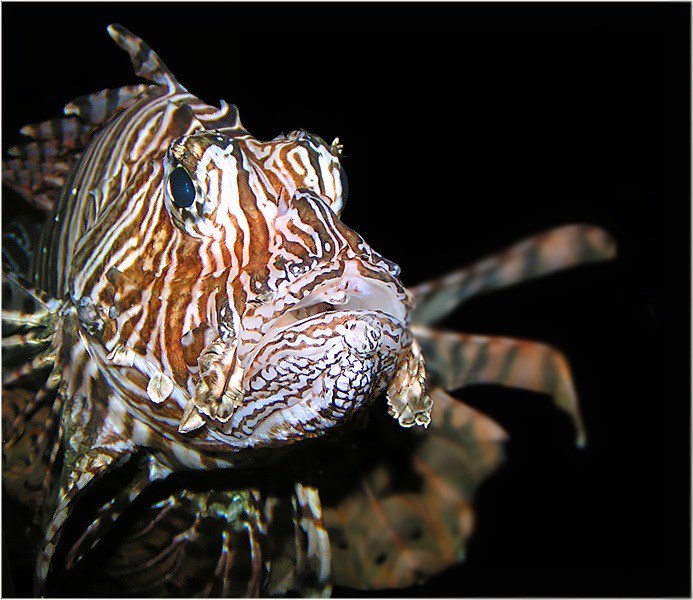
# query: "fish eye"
{"points": [[181, 188]]}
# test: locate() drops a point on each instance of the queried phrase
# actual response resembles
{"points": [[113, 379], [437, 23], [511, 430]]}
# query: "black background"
{"points": [[467, 127]]}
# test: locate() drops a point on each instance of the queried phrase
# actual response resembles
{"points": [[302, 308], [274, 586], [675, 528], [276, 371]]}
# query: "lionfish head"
{"points": [[279, 322]]}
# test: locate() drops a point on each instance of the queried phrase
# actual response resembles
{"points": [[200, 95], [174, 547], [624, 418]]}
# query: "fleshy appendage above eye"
{"points": [[338, 149], [181, 188]]}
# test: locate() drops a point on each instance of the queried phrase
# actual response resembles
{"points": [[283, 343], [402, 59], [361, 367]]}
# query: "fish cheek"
{"points": [[194, 342]]}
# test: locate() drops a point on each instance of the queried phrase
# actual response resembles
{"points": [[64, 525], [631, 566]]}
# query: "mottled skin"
{"points": [[211, 332]]}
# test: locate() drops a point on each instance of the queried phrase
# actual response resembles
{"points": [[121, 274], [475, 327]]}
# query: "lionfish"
{"points": [[194, 341]]}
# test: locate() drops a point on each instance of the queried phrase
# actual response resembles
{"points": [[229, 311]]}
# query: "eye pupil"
{"points": [[182, 187]]}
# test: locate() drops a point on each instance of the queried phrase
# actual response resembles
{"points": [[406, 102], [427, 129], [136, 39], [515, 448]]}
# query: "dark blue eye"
{"points": [[181, 187]]}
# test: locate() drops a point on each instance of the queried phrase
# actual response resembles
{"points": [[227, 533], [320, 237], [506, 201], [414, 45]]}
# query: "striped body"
{"points": [[201, 301], [195, 304]]}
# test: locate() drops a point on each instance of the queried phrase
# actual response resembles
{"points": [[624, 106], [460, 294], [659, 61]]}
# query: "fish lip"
{"points": [[354, 300], [275, 332], [341, 409]]}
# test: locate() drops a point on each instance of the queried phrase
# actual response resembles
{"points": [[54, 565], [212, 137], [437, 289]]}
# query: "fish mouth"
{"points": [[318, 363], [348, 295], [314, 375]]}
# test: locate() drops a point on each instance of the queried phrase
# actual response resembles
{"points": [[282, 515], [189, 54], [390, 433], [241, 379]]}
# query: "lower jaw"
{"points": [[287, 429], [314, 413], [308, 380]]}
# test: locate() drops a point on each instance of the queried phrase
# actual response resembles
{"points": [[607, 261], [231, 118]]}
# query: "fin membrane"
{"points": [[456, 360], [407, 512], [541, 255], [98, 108], [40, 168], [145, 61]]}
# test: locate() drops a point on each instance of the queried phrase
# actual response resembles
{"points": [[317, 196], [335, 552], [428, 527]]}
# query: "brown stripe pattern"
{"points": [[198, 322], [196, 305]]}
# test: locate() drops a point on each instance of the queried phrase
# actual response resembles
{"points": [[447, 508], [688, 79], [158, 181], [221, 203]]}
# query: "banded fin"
{"points": [[22, 306], [145, 61], [26, 312], [90, 449], [99, 107], [25, 462], [546, 253], [38, 181], [52, 139], [197, 541], [107, 515], [38, 152], [30, 343], [30, 442], [456, 360], [41, 167], [184, 544], [69, 133], [301, 562], [407, 513]]}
